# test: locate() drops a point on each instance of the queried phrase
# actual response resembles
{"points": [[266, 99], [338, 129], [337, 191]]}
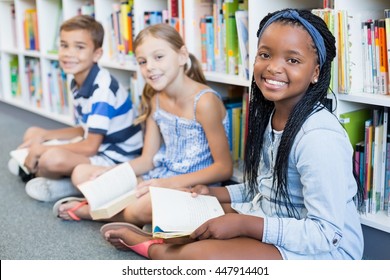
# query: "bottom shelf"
{"points": [[65, 119], [378, 221]]}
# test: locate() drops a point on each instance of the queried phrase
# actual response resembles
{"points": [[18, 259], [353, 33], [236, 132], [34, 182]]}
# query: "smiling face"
{"points": [[285, 63], [77, 53], [159, 63]]}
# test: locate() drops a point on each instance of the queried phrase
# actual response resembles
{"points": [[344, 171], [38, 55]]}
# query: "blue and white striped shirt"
{"points": [[103, 106]]}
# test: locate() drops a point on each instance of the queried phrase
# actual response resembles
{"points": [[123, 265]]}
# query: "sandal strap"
{"points": [[143, 248], [78, 206]]}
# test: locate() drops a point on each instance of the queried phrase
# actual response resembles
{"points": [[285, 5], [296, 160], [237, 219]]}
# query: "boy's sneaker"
{"points": [[14, 168], [47, 190]]}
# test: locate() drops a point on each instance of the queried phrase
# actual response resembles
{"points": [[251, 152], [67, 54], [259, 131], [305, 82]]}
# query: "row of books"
{"points": [[224, 37], [236, 109], [58, 93], [120, 31], [229, 54], [120, 27], [370, 136], [363, 43], [32, 70]]}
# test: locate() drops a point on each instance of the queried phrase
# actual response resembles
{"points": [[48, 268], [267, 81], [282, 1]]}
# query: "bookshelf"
{"points": [[13, 52]]}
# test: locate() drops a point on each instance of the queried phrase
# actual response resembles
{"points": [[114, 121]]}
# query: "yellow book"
{"points": [[125, 10]]}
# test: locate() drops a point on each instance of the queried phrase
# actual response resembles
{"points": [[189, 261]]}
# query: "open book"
{"points": [[178, 214], [20, 154], [111, 192]]}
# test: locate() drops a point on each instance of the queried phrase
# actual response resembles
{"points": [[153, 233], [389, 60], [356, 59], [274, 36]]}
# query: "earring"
{"points": [[315, 81]]}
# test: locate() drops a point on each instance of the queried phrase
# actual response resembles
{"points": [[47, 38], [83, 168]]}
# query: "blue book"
{"points": [[210, 43]]}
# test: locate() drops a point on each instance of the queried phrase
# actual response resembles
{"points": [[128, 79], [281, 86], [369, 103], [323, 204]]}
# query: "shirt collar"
{"points": [[86, 88]]}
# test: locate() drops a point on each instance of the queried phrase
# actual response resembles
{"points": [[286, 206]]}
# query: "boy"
{"points": [[103, 111]]}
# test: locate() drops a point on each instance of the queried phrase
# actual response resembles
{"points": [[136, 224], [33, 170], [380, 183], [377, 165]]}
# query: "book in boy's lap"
{"points": [[177, 214], [20, 154], [111, 192]]}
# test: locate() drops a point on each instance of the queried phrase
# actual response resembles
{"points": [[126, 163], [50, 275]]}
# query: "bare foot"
{"points": [[124, 237], [77, 208]]}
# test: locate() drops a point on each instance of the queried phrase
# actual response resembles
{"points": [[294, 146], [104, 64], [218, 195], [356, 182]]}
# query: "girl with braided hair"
{"points": [[300, 198]]}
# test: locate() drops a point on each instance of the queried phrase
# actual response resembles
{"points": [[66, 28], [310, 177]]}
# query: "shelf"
{"points": [[378, 221], [226, 79], [130, 65], [65, 119], [366, 98]]}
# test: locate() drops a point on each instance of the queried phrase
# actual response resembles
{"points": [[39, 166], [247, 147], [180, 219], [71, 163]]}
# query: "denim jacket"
{"points": [[321, 186]]}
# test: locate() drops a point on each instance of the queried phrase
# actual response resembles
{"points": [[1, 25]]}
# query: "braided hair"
{"points": [[260, 111]]}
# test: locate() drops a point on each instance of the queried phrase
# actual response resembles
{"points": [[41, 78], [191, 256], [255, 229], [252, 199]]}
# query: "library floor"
{"points": [[28, 228]]}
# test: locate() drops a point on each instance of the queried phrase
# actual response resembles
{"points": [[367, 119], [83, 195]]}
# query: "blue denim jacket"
{"points": [[321, 187]]}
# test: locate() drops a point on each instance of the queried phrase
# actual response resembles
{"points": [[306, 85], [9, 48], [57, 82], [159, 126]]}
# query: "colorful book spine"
{"points": [[368, 163], [203, 43], [210, 43], [231, 44]]}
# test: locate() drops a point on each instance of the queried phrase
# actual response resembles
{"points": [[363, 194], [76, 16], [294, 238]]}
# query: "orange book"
{"points": [[383, 64], [26, 32], [369, 130]]}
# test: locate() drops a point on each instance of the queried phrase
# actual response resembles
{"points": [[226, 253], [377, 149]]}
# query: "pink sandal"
{"points": [[71, 211], [141, 248]]}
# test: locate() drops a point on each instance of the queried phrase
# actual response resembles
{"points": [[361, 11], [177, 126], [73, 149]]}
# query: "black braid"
{"points": [[309, 104]]}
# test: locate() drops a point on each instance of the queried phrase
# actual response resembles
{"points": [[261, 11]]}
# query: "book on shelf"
{"points": [[383, 62], [368, 139], [359, 161], [20, 154], [243, 42], [383, 158], [387, 30], [231, 36], [210, 59], [353, 122], [195, 10], [111, 192], [181, 218], [377, 160]]}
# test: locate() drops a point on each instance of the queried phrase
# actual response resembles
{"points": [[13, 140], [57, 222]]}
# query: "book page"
{"points": [[177, 211], [110, 185], [20, 156]]}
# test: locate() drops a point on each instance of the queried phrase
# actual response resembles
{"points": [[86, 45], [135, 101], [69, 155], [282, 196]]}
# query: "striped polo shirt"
{"points": [[103, 106]]}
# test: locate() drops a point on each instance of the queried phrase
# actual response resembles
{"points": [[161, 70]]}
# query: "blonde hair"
{"points": [[169, 34]]}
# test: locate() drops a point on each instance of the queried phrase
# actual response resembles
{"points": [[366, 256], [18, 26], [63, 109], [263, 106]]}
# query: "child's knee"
{"points": [[81, 173], [32, 131], [140, 210], [52, 160]]}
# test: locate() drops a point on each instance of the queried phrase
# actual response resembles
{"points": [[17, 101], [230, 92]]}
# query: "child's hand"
{"points": [[199, 189], [223, 227], [34, 153], [30, 142], [143, 187]]}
